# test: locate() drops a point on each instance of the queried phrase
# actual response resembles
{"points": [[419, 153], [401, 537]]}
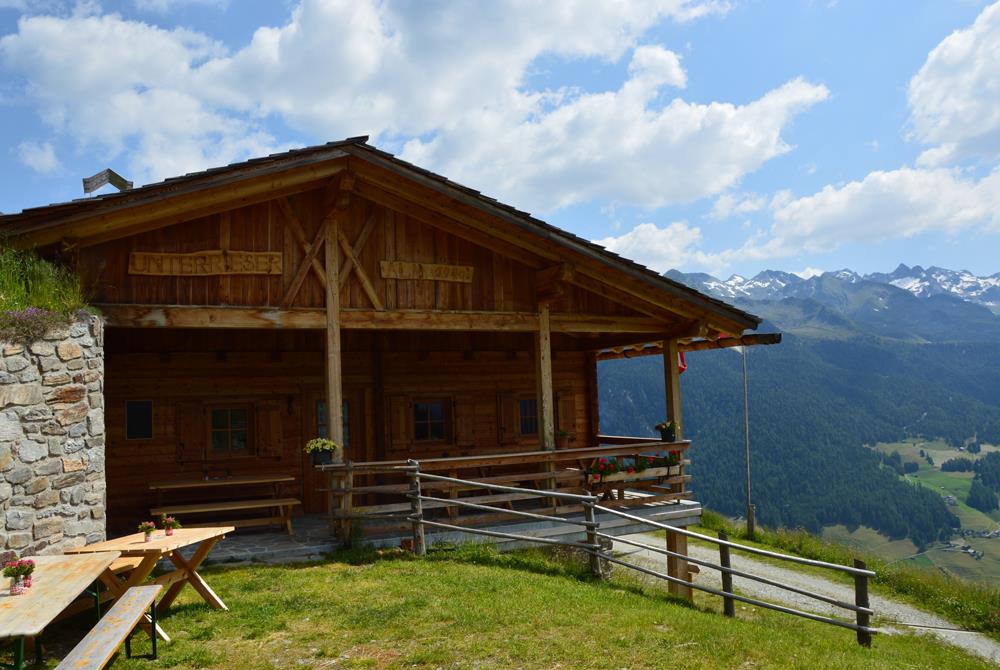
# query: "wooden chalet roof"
{"points": [[102, 215]]}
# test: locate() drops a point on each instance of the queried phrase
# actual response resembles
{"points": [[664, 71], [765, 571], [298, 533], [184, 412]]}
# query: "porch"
{"points": [[373, 502]]}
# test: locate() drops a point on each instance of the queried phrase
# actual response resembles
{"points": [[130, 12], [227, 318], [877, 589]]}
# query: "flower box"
{"points": [[622, 476]]}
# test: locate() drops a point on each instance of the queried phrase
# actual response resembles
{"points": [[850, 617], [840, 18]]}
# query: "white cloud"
{"points": [[125, 87], [729, 204], [39, 156], [164, 6], [955, 97], [882, 206], [452, 85], [655, 247], [617, 145]]}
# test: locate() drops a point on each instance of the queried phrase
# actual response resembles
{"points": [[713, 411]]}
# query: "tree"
{"points": [[982, 498]]}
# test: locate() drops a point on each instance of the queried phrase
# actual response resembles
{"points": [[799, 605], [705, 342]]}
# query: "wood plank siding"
{"points": [[498, 282], [279, 376]]}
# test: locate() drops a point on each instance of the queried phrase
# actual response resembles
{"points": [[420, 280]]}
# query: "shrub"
{"points": [[35, 295]]}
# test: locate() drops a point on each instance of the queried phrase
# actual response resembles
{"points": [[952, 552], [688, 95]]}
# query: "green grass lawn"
{"points": [[474, 608]]}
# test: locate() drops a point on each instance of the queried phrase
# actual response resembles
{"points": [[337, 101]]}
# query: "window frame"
{"points": [[152, 422], [447, 419], [521, 417], [250, 451]]}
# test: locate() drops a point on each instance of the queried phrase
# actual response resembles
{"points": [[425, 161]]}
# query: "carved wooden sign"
{"points": [[205, 263], [428, 271]]}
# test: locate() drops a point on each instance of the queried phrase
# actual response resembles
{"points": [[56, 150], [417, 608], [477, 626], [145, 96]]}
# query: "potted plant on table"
{"points": [[169, 523], [562, 439], [147, 528], [323, 450], [668, 430], [19, 572]]}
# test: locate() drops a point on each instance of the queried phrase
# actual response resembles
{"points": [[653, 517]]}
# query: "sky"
{"points": [[721, 136]]}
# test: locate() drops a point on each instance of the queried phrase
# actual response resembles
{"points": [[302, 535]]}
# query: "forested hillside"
{"points": [[863, 361], [812, 410]]}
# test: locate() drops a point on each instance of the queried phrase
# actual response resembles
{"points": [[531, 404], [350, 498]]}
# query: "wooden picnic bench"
{"points": [[282, 506], [102, 642]]}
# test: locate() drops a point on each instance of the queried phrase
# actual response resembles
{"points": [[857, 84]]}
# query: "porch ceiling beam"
{"points": [[685, 329], [196, 316]]}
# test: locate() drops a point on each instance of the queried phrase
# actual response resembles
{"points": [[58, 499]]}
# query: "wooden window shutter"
{"points": [[190, 431], [566, 411], [269, 438], [464, 419], [507, 418], [400, 421]]}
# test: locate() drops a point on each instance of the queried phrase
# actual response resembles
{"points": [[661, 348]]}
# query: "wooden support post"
{"points": [[677, 567], [416, 510], [591, 518], [546, 398], [543, 360], [861, 600], [334, 367], [729, 605], [672, 385]]}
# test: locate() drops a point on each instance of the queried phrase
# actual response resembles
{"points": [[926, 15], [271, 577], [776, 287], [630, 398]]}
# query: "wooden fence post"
{"points": [[729, 605], [590, 517], [677, 567], [861, 600], [347, 505], [416, 509]]}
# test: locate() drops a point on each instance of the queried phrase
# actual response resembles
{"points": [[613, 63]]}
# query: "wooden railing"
{"points": [[596, 545], [376, 490]]}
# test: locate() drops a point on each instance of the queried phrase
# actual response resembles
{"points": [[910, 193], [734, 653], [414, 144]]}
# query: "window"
{"points": [[321, 422], [138, 419], [230, 431], [527, 416], [431, 420]]}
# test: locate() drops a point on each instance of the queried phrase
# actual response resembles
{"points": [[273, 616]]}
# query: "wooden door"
{"points": [[357, 438]]}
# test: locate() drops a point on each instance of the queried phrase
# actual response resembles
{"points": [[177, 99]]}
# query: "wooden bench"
{"points": [[102, 642], [284, 505]]}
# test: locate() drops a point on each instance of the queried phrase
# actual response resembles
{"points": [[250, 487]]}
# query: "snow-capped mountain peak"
{"points": [[921, 282]]}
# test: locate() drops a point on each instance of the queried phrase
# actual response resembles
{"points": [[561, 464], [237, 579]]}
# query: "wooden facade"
{"points": [[431, 321]]}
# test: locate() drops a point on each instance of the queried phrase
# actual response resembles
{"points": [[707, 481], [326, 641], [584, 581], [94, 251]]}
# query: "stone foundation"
{"points": [[52, 485]]}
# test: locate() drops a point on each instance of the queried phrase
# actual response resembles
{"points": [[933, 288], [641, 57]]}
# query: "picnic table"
{"points": [[282, 506], [148, 554], [56, 583]]}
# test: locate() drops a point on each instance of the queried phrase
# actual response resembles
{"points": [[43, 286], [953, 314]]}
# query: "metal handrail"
{"points": [[740, 573], [726, 594], [740, 547]]}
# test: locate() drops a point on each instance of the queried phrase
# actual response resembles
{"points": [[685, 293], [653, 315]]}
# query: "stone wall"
{"points": [[52, 487]]}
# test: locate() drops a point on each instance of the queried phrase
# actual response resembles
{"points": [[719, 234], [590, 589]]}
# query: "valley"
{"points": [[885, 360]]}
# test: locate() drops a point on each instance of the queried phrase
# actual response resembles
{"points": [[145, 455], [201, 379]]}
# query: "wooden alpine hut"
{"points": [[337, 291]]}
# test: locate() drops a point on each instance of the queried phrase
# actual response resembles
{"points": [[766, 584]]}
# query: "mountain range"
{"points": [[864, 359], [775, 284], [912, 304]]}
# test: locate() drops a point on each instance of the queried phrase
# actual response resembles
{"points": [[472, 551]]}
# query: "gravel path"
{"points": [[888, 613]]}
